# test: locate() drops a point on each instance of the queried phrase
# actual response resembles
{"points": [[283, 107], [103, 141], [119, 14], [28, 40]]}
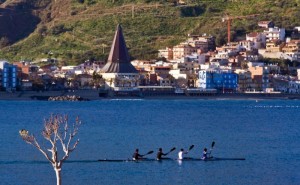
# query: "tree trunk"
{"points": [[58, 175]]}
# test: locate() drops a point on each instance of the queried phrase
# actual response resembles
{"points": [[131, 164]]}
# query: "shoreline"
{"points": [[91, 95]]}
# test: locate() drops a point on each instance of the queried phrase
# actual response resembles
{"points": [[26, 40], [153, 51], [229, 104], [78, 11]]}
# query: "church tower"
{"points": [[118, 72]]}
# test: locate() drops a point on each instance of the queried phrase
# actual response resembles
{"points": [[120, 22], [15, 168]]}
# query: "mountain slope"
{"points": [[76, 30]]}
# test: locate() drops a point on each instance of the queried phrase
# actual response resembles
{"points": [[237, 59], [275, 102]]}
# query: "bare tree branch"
{"points": [[30, 139], [56, 129]]}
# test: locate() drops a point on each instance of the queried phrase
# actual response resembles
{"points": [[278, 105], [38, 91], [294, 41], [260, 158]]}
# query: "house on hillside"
{"points": [[266, 24], [292, 49], [166, 53], [274, 46], [258, 39], [182, 50], [274, 34]]}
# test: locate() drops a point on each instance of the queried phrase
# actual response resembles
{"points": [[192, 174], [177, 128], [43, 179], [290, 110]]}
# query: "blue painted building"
{"points": [[223, 81], [8, 76]]}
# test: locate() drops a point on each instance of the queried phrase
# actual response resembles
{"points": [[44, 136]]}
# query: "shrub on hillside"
{"points": [[42, 30], [58, 29], [4, 41], [191, 11]]}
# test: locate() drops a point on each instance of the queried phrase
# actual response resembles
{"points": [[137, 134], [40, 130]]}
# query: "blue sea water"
{"points": [[266, 133]]}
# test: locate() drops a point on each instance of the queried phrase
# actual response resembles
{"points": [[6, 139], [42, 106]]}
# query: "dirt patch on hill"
{"points": [[19, 18], [16, 25]]}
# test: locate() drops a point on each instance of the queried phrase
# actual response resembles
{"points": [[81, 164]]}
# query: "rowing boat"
{"points": [[170, 159]]}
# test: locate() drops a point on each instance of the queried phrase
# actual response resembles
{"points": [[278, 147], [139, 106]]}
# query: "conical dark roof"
{"points": [[118, 60]]}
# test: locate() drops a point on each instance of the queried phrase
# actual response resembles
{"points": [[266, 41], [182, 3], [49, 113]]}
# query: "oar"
{"points": [[171, 151], [150, 152], [212, 147], [191, 147]]}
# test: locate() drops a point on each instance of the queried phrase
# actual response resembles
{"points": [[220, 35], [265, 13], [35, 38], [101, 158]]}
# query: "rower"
{"points": [[204, 154], [136, 155], [160, 154], [180, 154]]}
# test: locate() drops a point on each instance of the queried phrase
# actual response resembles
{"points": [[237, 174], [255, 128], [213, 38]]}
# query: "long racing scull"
{"points": [[170, 159]]}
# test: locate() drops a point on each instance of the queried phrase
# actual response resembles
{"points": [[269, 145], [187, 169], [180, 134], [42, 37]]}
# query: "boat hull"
{"points": [[170, 159]]}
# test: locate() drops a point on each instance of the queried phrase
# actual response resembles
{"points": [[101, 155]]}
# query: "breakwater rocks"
{"points": [[65, 98]]}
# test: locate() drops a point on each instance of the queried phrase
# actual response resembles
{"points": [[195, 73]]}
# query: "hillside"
{"points": [[76, 30]]}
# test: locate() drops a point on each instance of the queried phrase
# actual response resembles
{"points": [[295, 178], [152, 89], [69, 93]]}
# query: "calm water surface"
{"points": [[266, 133]]}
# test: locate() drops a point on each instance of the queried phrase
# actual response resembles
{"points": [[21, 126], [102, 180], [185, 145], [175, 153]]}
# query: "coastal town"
{"points": [[265, 62], [143, 92]]}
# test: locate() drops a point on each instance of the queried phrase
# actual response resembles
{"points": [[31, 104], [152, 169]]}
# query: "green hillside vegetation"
{"points": [[83, 29]]}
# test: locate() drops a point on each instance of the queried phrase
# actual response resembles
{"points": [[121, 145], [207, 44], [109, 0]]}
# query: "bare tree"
{"points": [[58, 132]]}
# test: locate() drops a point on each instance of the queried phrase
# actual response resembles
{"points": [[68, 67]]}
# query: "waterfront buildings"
{"points": [[222, 80], [193, 63], [259, 76], [8, 76], [294, 87]]}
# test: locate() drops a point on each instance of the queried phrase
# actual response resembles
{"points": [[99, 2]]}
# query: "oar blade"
{"points": [[173, 149], [150, 152], [212, 144], [191, 147]]}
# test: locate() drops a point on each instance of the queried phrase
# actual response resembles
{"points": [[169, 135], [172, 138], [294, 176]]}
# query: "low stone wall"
{"points": [[44, 95], [94, 95]]}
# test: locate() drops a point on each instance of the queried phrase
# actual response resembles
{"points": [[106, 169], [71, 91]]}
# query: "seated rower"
{"points": [[136, 155], [180, 154], [160, 154], [205, 154]]}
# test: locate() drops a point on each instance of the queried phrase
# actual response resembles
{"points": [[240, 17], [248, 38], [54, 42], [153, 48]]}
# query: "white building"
{"points": [[297, 28], [275, 34], [176, 73], [258, 39]]}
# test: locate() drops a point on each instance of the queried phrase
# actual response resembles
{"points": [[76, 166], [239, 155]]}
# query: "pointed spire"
{"points": [[118, 51], [118, 59]]}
